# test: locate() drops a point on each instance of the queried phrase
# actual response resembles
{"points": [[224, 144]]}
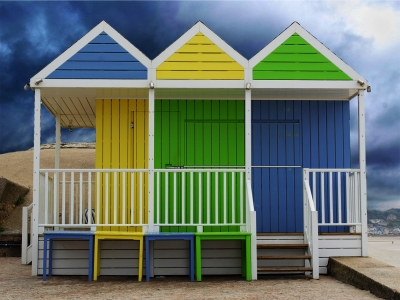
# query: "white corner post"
{"points": [[151, 163], [363, 171], [247, 129], [36, 169], [57, 166]]}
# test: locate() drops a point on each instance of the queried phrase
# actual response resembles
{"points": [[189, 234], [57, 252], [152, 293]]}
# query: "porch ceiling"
{"points": [[77, 106]]}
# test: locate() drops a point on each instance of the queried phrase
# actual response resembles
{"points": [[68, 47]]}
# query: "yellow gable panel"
{"points": [[200, 59]]}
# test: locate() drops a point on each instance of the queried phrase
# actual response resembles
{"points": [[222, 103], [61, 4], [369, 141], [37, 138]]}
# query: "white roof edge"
{"points": [[199, 27], [83, 41], [297, 28], [171, 49]]}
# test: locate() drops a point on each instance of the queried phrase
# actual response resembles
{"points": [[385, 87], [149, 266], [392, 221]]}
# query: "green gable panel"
{"points": [[296, 59]]}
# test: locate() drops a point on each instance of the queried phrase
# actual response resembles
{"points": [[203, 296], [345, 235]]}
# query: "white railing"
{"points": [[199, 197], [336, 195], [26, 247], [251, 227], [310, 226], [93, 197]]}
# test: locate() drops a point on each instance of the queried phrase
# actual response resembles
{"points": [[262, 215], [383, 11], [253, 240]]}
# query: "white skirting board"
{"points": [[70, 257]]}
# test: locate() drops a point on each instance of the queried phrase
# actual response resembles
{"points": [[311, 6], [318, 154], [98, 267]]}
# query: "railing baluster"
{"points": [[339, 192], [200, 199], [225, 208], [191, 197], [208, 198], [132, 197], [124, 198], [358, 198], [46, 197], [330, 198], [90, 198], [71, 204], [141, 199], [80, 196], [107, 199], [347, 197], [216, 198], [241, 197], [323, 196], [56, 197], [166, 198], [115, 186], [98, 221], [233, 197], [158, 198], [175, 188], [183, 191]]}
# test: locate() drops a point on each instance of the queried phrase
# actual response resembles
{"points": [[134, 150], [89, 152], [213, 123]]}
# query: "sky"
{"points": [[365, 34]]}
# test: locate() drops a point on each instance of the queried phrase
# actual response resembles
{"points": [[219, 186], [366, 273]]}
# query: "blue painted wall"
{"points": [[307, 134], [102, 58]]}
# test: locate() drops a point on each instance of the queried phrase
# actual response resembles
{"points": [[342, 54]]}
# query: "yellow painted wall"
{"points": [[200, 59], [118, 146]]}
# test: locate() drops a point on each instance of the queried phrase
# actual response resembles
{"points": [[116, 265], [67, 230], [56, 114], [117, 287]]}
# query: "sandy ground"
{"points": [[16, 283], [18, 167], [385, 248]]}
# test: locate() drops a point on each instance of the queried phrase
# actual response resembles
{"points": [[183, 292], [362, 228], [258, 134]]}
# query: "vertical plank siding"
{"points": [[102, 58], [118, 146], [200, 59], [286, 137], [198, 133], [296, 59]]}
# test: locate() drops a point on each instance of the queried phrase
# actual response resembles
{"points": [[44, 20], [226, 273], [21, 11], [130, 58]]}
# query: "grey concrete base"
{"points": [[367, 273]]}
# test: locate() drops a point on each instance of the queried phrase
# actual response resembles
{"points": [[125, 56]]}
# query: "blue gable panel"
{"points": [[102, 58]]}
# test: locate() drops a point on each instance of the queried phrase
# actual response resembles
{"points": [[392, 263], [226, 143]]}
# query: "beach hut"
{"points": [[247, 161]]}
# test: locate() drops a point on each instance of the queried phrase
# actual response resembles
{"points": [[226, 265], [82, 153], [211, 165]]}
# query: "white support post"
{"points": [[247, 126], [150, 200], [36, 169], [57, 166], [363, 172]]}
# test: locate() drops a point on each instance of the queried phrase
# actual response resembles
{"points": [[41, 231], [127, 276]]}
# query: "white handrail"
{"points": [[252, 227]]}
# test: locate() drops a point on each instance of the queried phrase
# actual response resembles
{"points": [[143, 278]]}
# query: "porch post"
{"points": [[151, 163], [363, 172], [36, 168], [58, 142]]}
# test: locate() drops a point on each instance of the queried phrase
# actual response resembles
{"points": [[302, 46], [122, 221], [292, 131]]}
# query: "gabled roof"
{"points": [[336, 69], [201, 34], [83, 65]]}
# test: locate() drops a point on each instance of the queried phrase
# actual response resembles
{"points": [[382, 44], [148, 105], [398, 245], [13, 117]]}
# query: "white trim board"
{"points": [[83, 41], [297, 28], [196, 28]]}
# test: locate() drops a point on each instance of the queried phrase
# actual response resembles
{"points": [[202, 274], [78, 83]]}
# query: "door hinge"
{"points": [[132, 125]]}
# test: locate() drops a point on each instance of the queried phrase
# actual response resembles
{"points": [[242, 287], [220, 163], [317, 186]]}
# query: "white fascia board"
{"points": [[91, 83], [306, 84], [67, 54], [224, 46], [272, 45], [176, 45], [212, 84], [124, 43], [328, 53]]}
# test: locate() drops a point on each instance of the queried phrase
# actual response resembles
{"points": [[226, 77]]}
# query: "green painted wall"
{"points": [[198, 133], [296, 59]]}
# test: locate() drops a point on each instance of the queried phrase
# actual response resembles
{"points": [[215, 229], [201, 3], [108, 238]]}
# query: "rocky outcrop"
{"points": [[10, 192]]}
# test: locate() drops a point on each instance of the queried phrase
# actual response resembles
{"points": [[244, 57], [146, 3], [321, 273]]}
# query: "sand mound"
{"points": [[18, 167]]}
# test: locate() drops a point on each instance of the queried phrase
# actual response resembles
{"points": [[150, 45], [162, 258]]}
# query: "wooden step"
{"points": [[282, 246], [284, 269], [284, 257]]}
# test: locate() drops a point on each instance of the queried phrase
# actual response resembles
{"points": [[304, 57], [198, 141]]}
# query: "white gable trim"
{"points": [[199, 27], [297, 28], [102, 26]]}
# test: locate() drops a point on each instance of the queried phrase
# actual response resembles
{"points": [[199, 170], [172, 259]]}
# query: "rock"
{"points": [[10, 192]]}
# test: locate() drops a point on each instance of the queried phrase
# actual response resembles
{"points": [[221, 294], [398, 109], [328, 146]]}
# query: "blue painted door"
{"points": [[276, 166]]}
